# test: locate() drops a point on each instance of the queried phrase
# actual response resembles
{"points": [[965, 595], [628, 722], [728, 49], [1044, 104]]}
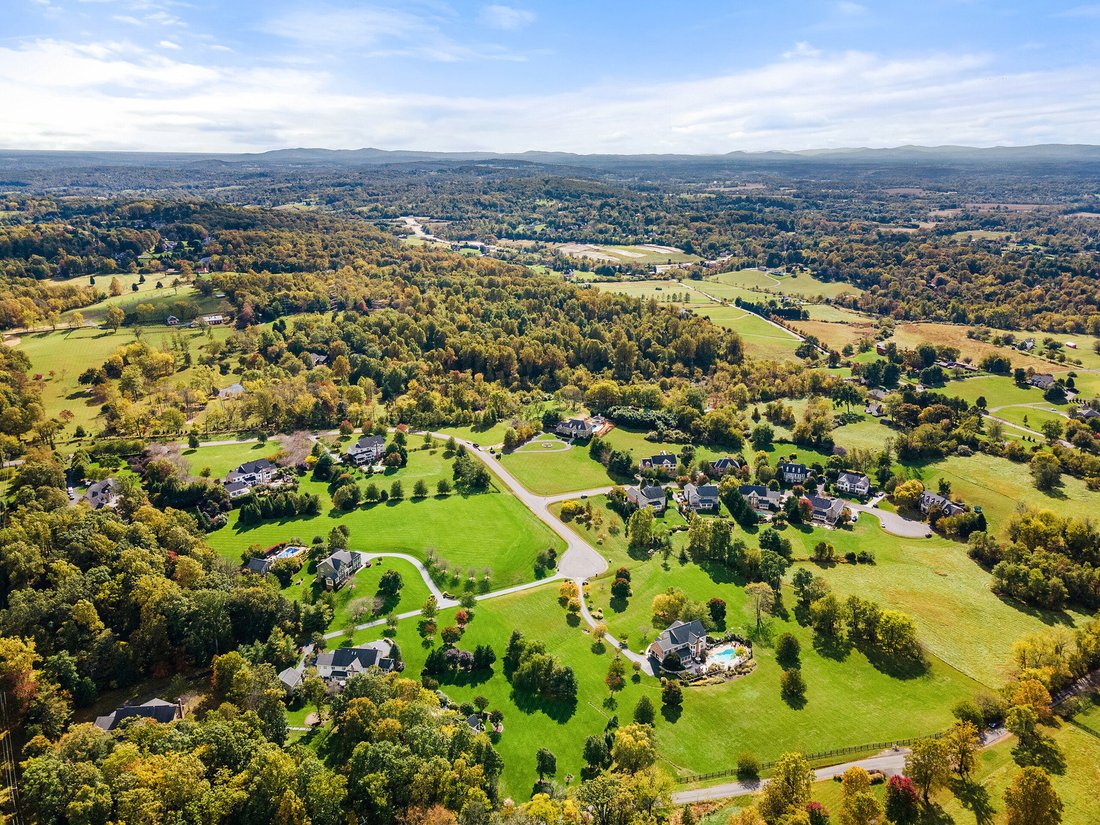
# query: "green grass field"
{"points": [[959, 619], [639, 254], [61, 356], [803, 285], [222, 458], [661, 291], [717, 722], [997, 390], [762, 340], [1032, 417], [552, 471], [491, 530], [1078, 741], [1000, 486]]}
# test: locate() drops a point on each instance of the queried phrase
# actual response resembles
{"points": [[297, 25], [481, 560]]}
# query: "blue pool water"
{"points": [[287, 552], [726, 656]]}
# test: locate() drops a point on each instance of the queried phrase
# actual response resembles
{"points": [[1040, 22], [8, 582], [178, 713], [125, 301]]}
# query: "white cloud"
{"points": [[378, 31], [118, 95], [507, 18], [168, 44], [802, 49], [850, 9]]}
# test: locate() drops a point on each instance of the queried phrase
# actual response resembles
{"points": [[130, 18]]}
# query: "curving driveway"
{"points": [[442, 600], [893, 523]]}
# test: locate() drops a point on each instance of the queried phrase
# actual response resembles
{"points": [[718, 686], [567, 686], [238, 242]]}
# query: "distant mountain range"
{"points": [[1051, 153]]}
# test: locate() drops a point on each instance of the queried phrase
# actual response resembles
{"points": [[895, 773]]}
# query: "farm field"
{"points": [[868, 434], [912, 335], [834, 335], [640, 254], [803, 285], [762, 339], [836, 314], [662, 291], [998, 390]]}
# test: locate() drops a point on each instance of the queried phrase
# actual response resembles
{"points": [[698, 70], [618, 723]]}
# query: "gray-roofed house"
{"points": [[793, 473], [827, 510], [875, 408], [647, 495], [232, 391], [853, 483], [662, 462], [344, 662], [156, 709], [261, 566], [317, 359], [367, 450], [721, 466], [335, 570], [237, 489], [258, 471], [103, 493], [1086, 413], [701, 497], [292, 679], [930, 501], [476, 723], [1042, 380], [762, 499], [685, 640], [576, 428]]}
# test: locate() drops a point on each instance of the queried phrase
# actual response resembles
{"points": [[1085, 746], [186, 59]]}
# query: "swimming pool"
{"points": [[725, 656], [288, 552]]}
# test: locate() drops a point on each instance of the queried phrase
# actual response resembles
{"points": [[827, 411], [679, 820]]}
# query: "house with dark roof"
{"points": [[237, 489], [576, 428], [827, 510], [103, 493], [156, 709], [316, 359], [685, 640], [793, 473], [1086, 413], [367, 450], [476, 723], [262, 566], [762, 499], [341, 664], [335, 570], [930, 501], [856, 484], [663, 462], [877, 394], [257, 471], [701, 497], [647, 495], [723, 465], [1042, 380]]}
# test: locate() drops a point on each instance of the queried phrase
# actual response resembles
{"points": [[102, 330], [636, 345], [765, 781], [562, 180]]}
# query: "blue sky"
{"points": [[595, 76]]}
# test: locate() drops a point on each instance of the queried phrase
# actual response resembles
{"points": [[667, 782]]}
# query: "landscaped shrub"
{"points": [[748, 767]]}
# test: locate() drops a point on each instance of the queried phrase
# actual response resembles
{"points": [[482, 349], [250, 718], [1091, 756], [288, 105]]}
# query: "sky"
{"points": [[590, 76]]}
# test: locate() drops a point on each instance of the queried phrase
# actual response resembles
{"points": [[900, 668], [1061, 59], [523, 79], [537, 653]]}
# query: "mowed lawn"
{"points": [[837, 335], [959, 619], [1001, 486], [716, 724], [222, 458], [762, 340], [1079, 743], [997, 390], [802, 285], [492, 530], [551, 470], [661, 291]]}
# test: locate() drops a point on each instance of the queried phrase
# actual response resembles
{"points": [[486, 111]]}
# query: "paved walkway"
{"points": [[424, 574]]}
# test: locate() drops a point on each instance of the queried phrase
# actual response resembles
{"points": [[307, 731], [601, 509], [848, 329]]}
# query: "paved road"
{"points": [[647, 666], [889, 762], [580, 559]]}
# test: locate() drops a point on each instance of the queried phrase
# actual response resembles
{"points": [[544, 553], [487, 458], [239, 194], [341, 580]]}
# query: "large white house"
{"points": [[367, 450], [855, 484], [701, 497], [792, 472]]}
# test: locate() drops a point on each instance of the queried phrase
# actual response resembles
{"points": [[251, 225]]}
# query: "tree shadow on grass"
{"points": [[898, 668], [795, 701], [1043, 753], [465, 678], [975, 798], [835, 649], [723, 574], [1047, 617], [672, 713], [561, 711]]}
